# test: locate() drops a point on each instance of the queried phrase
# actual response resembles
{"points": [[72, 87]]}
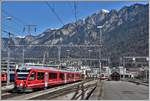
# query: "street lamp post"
{"points": [[100, 43]]}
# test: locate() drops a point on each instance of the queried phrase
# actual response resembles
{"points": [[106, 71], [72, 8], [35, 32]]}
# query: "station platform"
{"points": [[9, 87]]}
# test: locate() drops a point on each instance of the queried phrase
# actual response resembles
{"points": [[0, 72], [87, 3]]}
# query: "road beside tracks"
{"points": [[122, 90]]}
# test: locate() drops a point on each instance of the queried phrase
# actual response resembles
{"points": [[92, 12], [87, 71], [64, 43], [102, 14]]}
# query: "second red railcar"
{"points": [[3, 77]]}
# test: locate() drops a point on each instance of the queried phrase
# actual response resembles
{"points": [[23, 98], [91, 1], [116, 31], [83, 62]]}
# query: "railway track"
{"points": [[51, 92], [78, 91]]}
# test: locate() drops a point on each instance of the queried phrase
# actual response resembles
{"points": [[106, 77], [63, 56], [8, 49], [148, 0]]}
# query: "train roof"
{"points": [[40, 67]]}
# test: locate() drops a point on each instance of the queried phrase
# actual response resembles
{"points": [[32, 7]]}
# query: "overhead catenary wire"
{"points": [[8, 32], [17, 21], [16, 18], [75, 10], [75, 15], [6, 26], [55, 13], [52, 9], [5, 31]]}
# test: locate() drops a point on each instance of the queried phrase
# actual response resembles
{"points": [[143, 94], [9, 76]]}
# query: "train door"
{"points": [[62, 77], [74, 77], [65, 77], [46, 79]]}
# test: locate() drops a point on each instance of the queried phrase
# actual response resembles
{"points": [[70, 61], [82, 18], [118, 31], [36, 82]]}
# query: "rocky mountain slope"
{"points": [[124, 32]]}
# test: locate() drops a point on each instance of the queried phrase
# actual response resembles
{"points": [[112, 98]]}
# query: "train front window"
{"points": [[22, 74], [32, 76]]}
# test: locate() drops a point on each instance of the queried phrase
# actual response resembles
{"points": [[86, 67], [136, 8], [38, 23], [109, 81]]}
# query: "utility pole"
{"points": [[23, 54], [109, 66], [123, 60], [8, 64], [120, 64], [100, 44], [68, 53], [59, 54], [89, 57], [8, 59], [44, 55], [147, 70]]}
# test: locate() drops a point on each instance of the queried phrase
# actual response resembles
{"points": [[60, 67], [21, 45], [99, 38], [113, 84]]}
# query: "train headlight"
{"points": [[21, 84]]}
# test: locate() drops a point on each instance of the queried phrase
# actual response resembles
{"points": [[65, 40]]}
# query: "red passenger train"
{"points": [[31, 77], [3, 76]]}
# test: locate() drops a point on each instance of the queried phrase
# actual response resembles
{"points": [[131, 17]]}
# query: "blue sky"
{"points": [[25, 13]]}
